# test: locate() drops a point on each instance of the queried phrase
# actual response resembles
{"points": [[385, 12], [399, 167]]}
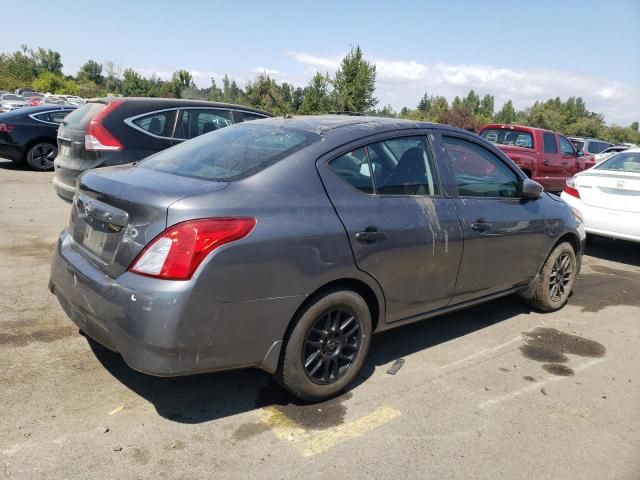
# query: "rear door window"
{"points": [[231, 153], [159, 124], [194, 122], [479, 172], [549, 140]]}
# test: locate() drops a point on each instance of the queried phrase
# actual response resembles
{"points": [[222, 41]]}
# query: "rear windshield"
{"points": [[80, 118], [231, 153], [622, 162], [508, 136]]}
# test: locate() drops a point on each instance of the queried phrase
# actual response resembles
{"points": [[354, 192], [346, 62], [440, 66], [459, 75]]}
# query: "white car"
{"points": [[608, 196], [603, 155]]}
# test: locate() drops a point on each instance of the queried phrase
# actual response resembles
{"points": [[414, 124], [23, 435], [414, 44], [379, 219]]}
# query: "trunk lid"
{"points": [[610, 189], [117, 211]]}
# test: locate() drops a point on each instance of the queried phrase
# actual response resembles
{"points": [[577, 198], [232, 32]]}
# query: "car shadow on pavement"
{"points": [[205, 397], [619, 251], [9, 165]]}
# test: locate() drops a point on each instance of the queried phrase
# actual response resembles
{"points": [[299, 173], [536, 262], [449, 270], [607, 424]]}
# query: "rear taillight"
{"points": [[96, 136], [178, 251], [570, 187], [4, 128]]}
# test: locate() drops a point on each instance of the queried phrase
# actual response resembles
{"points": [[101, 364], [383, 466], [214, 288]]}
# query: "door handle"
{"points": [[481, 225], [370, 235], [545, 162], [565, 163]]}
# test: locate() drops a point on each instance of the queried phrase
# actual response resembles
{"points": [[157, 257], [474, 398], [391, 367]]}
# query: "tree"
{"points": [[182, 80], [215, 93], [472, 102], [634, 126], [92, 72], [507, 113], [48, 61], [133, 85], [265, 94], [297, 98], [54, 83], [424, 105], [318, 95], [461, 117], [355, 83]]}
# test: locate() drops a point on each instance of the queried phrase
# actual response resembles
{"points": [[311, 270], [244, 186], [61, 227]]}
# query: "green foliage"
{"points": [[318, 96], [91, 71], [507, 114], [355, 83], [48, 61], [48, 82]]}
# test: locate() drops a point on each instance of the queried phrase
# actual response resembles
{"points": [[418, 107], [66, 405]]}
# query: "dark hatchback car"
{"points": [[28, 135], [114, 131], [283, 244]]}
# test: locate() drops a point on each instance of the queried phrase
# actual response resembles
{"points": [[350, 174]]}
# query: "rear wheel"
{"points": [[40, 156], [327, 346], [556, 279]]}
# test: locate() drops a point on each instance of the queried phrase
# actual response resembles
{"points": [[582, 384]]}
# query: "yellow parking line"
{"points": [[311, 442]]}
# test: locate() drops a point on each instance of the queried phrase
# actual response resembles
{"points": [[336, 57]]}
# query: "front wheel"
{"points": [[327, 346], [40, 156], [556, 279]]}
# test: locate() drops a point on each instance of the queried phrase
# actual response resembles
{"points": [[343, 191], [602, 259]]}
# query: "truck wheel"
{"points": [[327, 346], [556, 279]]}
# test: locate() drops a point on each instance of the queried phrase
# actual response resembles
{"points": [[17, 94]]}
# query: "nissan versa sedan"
{"points": [[284, 243]]}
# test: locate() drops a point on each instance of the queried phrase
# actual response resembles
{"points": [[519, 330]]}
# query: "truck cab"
{"points": [[546, 156]]}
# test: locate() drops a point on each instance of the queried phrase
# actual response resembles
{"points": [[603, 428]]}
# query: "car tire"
{"points": [[40, 156], [556, 279], [327, 346]]}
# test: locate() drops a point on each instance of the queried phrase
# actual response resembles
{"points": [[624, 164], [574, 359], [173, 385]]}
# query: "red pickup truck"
{"points": [[545, 156]]}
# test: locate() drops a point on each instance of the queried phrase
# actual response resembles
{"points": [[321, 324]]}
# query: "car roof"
{"points": [[324, 123], [179, 102]]}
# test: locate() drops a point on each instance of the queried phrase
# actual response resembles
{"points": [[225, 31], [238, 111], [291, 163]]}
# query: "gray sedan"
{"points": [[283, 244]]}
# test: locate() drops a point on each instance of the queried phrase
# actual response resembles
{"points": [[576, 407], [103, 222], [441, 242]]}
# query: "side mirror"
{"points": [[579, 153], [531, 189]]}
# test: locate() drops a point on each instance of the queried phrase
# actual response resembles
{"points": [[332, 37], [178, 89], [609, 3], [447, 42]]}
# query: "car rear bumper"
{"points": [[157, 325], [63, 190], [607, 222]]}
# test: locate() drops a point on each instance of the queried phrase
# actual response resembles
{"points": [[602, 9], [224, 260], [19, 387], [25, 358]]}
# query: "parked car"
{"points": [[115, 131], [545, 156], [589, 146], [29, 135], [608, 196], [606, 153], [9, 102], [284, 243]]}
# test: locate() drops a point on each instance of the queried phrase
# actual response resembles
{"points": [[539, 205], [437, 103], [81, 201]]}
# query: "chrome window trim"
{"points": [[33, 115], [129, 121]]}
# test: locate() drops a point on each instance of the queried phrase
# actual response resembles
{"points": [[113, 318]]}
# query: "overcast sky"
{"points": [[519, 50]]}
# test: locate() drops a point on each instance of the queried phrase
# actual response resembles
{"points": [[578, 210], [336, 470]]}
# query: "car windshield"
{"points": [[508, 136], [622, 162], [11, 97], [231, 153]]}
